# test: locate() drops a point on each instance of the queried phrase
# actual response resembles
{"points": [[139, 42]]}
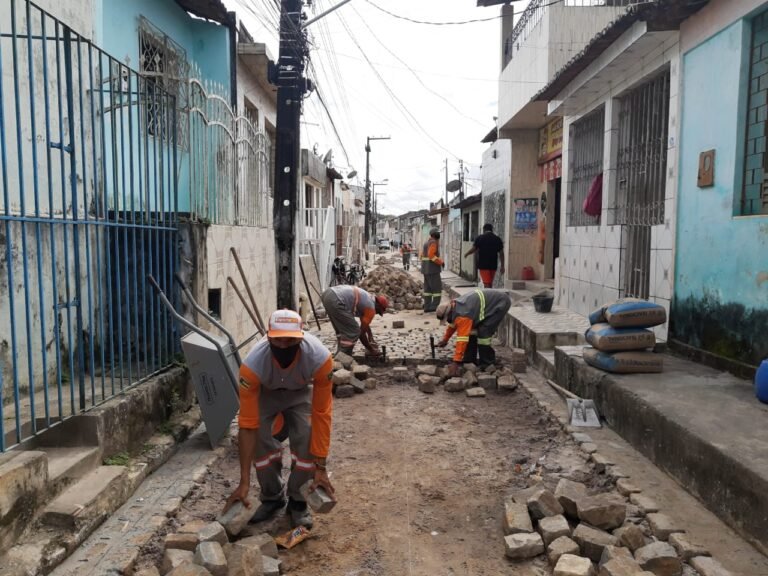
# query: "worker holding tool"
{"points": [[474, 317], [431, 266], [344, 304], [277, 401]]}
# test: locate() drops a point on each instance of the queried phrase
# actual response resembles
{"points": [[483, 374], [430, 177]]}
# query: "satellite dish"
{"points": [[352, 174], [453, 186], [328, 156]]}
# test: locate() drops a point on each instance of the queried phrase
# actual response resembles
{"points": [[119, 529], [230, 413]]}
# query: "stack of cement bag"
{"points": [[620, 338]]}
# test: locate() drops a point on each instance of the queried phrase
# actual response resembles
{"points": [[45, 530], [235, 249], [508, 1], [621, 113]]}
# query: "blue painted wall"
{"points": [[206, 45], [721, 284]]}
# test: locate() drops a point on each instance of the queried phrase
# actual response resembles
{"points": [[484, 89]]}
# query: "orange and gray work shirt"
{"points": [[263, 381], [358, 301], [480, 310], [431, 263]]}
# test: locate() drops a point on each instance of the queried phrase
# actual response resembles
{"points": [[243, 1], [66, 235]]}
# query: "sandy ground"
{"points": [[421, 481]]}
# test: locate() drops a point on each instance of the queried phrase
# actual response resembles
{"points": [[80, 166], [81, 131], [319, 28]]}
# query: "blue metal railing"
{"points": [[88, 209]]}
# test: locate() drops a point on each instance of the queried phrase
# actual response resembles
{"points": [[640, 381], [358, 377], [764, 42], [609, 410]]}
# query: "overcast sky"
{"points": [[452, 92]]}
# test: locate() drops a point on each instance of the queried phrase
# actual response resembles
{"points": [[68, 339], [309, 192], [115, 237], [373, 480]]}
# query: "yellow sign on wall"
{"points": [[551, 141]]}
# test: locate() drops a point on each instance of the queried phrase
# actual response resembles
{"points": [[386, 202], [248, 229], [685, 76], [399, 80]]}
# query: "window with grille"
{"points": [[165, 71], [586, 136], [754, 193]]}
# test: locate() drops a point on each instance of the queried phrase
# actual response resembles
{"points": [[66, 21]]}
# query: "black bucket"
{"points": [[543, 303]]}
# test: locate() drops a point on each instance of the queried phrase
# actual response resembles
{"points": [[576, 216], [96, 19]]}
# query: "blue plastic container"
{"points": [[761, 382]]}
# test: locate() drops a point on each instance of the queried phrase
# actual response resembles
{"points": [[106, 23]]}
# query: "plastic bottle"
{"points": [[761, 382]]}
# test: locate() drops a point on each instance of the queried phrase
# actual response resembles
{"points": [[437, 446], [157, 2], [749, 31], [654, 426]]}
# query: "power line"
{"points": [[414, 21]]}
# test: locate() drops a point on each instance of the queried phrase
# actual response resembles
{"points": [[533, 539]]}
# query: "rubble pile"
{"points": [[403, 291], [349, 377], [383, 261]]}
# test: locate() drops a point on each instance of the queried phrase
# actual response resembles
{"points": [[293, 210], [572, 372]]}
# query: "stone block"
{"points": [[345, 391], [174, 558], [626, 488], [601, 462], [427, 384], [685, 547], [542, 504], [242, 561], [602, 511], [507, 383], [150, 571], [553, 527], [213, 532], [263, 543], [189, 569], [613, 552], [581, 438], [568, 493], [572, 565], [523, 546], [516, 518], [620, 566], [470, 379], [630, 536], [236, 518], [357, 385], [193, 527], [270, 566], [486, 381], [647, 505], [361, 371], [342, 377], [179, 541], [588, 448], [709, 566], [593, 541], [662, 525], [659, 558], [337, 366], [397, 324], [470, 367], [401, 374], [562, 545], [345, 360], [454, 385], [210, 556], [615, 473], [370, 383], [476, 392], [427, 369]]}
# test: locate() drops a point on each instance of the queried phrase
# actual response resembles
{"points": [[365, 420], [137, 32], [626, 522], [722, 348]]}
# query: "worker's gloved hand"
{"points": [[442, 344], [239, 495], [322, 479], [454, 369]]}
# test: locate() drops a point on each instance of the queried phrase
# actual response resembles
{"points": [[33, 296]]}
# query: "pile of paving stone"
{"points": [[213, 549], [349, 377], [617, 533], [402, 289], [383, 260], [473, 382]]}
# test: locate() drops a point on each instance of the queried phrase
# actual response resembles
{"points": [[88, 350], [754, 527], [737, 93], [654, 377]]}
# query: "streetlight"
{"points": [[368, 184], [375, 213]]}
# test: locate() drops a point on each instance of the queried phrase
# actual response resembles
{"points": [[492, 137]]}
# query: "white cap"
{"points": [[285, 324]]}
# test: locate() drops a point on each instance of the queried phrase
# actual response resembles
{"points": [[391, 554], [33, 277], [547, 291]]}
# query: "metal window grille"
{"points": [[754, 193], [587, 139], [88, 209], [163, 65]]}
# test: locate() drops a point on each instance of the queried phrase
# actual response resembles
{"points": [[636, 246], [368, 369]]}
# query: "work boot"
{"points": [[487, 356], [300, 514], [266, 510]]}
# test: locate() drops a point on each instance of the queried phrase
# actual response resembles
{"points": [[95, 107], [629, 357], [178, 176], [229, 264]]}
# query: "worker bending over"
{"points": [[474, 317], [344, 304]]}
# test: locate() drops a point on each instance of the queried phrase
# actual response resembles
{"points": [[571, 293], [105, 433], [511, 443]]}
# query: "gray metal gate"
{"points": [[586, 142], [642, 165], [88, 204]]}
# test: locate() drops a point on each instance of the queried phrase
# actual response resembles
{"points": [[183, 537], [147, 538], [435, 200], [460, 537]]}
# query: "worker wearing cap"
{"points": [[479, 313], [285, 389], [431, 266], [344, 304]]}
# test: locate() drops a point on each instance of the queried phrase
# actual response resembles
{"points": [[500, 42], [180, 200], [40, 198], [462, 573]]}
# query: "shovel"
{"points": [[582, 413]]}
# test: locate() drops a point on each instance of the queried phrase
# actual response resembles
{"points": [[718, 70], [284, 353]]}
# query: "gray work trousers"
{"points": [[343, 320], [296, 408], [433, 291]]}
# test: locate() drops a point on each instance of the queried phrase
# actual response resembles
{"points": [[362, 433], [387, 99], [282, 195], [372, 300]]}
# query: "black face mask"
{"points": [[285, 356]]}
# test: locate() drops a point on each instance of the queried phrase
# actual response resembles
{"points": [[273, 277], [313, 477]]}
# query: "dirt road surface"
{"points": [[421, 481]]}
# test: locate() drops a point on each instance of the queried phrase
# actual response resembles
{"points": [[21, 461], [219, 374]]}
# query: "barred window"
{"points": [[164, 68], [587, 137], [754, 193]]}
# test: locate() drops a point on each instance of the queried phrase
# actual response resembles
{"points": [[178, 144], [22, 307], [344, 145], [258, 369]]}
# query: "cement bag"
{"points": [[624, 362], [606, 338], [630, 312]]}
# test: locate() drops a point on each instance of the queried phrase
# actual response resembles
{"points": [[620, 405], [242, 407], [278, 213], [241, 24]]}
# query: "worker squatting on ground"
{"points": [[344, 304], [431, 266], [276, 402], [474, 317], [490, 255]]}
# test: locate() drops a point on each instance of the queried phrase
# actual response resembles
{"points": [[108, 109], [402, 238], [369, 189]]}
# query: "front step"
{"points": [[68, 464], [545, 362], [99, 492]]}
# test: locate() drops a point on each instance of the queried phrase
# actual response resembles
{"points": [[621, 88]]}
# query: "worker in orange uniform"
{"points": [[431, 266], [474, 317], [285, 386], [344, 304]]}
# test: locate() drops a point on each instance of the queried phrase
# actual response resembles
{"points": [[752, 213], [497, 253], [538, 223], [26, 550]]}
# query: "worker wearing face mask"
{"points": [[285, 387]]}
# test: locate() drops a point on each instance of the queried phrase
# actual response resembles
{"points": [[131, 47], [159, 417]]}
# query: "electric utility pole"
{"points": [[446, 181], [367, 235], [291, 86]]}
